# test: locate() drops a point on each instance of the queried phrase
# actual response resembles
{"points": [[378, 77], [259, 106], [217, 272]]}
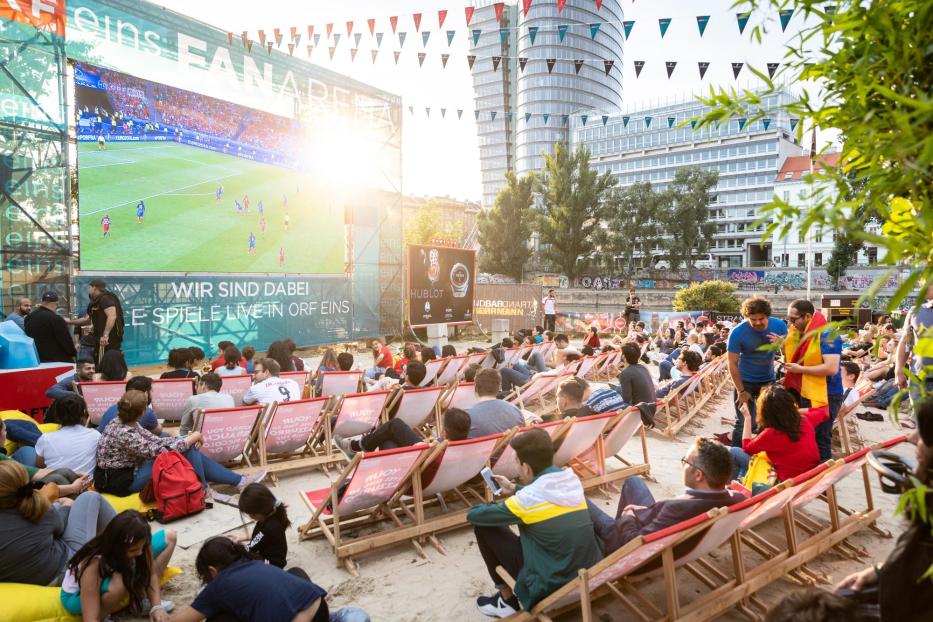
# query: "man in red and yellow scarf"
{"points": [[812, 366]]}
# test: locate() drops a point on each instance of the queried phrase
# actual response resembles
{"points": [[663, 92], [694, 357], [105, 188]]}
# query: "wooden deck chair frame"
{"points": [[431, 418], [550, 382], [452, 392], [323, 442], [305, 456], [619, 432], [249, 451], [335, 527], [586, 365], [451, 371], [864, 392], [433, 369]]}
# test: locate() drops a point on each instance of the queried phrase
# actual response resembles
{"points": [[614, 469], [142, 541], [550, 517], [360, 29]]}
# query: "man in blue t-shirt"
{"points": [[148, 420], [751, 360], [799, 314]]}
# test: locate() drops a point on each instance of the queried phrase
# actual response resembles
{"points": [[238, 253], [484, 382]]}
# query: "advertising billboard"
{"points": [[441, 285], [519, 304]]}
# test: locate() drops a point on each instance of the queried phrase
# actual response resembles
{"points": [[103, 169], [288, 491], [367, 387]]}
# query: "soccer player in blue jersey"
{"points": [[239, 208], [140, 211], [252, 243], [218, 193], [262, 210]]}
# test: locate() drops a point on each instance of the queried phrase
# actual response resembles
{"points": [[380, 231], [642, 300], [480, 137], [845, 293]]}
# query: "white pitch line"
{"points": [[152, 147], [109, 164], [152, 196]]}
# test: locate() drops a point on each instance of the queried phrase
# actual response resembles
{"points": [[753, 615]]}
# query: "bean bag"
{"points": [[20, 602], [131, 502], [16, 415]]}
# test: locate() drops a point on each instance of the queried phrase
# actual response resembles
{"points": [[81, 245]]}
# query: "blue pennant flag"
{"points": [[647, 122], [605, 119], [565, 119], [527, 117], [625, 121], [594, 28], [425, 35], [545, 116], [793, 124], [663, 23], [476, 33], [503, 35], [401, 39], [766, 123], [450, 37], [702, 21], [693, 124], [627, 27], [742, 122], [785, 15], [378, 39], [476, 114], [583, 118], [508, 116], [532, 33], [492, 115], [742, 19], [670, 122], [562, 31]]}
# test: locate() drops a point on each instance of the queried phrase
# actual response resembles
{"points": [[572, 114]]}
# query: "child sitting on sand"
{"points": [[271, 516]]}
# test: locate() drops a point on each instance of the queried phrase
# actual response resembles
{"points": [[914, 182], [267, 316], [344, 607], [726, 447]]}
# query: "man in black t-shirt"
{"points": [[105, 314], [632, 307]]}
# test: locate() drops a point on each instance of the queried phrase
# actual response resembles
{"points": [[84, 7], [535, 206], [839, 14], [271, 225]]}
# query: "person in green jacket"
{"points": [[557, 537]]}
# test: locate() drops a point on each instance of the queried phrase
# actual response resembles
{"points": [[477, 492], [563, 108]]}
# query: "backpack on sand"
{"points": [[177, 489]]}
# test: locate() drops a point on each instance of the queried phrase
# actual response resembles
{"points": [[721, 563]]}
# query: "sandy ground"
{"points": [[397, 585]]}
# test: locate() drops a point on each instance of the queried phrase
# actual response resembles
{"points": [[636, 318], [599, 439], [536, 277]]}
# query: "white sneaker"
{"points": [[344, 445], [495, 606]]}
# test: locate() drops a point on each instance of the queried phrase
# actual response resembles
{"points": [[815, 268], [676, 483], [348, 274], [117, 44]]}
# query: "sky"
{"points": [[440, 157]]}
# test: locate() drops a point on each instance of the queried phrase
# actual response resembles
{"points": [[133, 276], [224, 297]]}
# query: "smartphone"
{"points": [[487, 476]]}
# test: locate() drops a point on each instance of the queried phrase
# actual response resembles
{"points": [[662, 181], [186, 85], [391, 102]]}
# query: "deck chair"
{"points": [[677, 407], [593, 465], [368, 483], [586, 365], [462, 396], [303, 378], [340, 382], [236, 386], [846, 416], [432, 368], [536, 388], [99, 396], [507, 464], [288, 434], [351, 415], [228, 433], [581, 437], [451, 370], [416, 407], [601, 369], [169, 397], [473, 359], [489, 361], [509, 357]]}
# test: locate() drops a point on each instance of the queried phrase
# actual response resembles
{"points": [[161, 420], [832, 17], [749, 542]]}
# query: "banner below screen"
{"points": [[165, 312], [519, 304], [615, 324], [441, 285]]}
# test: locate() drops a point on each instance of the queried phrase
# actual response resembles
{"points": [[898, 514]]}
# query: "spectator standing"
{"points": [[18, 315], [105, 314], [751, 349], [112, 366], [917, 325], [632, 307], [49, 331], [550, 310]]}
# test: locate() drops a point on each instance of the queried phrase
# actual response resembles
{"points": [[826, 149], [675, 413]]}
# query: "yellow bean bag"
{"points": [[20, 602], [9, 445], [132, 502]]}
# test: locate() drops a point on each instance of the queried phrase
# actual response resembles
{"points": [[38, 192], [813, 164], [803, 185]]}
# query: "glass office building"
{"points": [[648, 145], [509, 142]]}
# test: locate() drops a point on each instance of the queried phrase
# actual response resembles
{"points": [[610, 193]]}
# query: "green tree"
{"points": [[707, 296], [844, 254], [685, 217], [429, 224], [504, 231], [633, 222], [571, 208]]}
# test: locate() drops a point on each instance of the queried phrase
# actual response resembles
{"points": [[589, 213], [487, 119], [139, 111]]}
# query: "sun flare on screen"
{"points": [[343, 153]]}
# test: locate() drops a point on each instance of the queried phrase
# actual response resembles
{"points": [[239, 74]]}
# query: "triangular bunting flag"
{"points": [[310, 49], [545, 117], [599, 5], [262, 38], [293, 31], [468, 10], [443, 113], [329, 28], [349, 28], [476, 114], [371, 22], [625, 121], [562, 30], [594, 28], [793, 124], [249, 46], [356, 39], [269, 46], [336, 39], [639, 65], [664, 23], [693, 124], [627, 27], [396, 54], [772, 67], [498, 6], [471, 58], [527, 114], [605, 119], [278, 38], [532, 33], [607, 66], [353, 52], [417, 18], [508, 116], [424, 37], [401, 38], [291, 49], [411, 110], [785, 15], [522, 61], [244, 38], [441, 16], [742, 122], [495, 62], [550, 64], [331, 51], [564, 119], [560, 5], [737, 69], [450, 36], [577, 63], [296, 38], [459, 113], [647, 122], [670, 122], [427, 111], [765, 123], [583, 118], [492, 115], [670, 67], [702, 21], [393, 21], [229, 38], [476, 34], [421, 57], [379, 39], [374, 54], [310, 30], [444, 59], [503, 35], [317, 39], [830, 10], [703, 67], [526, 4], [742, 19]]}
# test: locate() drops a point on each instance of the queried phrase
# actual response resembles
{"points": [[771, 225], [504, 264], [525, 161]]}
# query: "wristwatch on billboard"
{"points": [[434, 266], [459, 280]]}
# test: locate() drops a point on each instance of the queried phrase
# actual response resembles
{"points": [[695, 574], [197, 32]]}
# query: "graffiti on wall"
{"points": [[855, 281], [601, 283]]}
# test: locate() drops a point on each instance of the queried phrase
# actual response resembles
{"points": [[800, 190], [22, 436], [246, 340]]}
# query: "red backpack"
{"points": [[177, 489]]}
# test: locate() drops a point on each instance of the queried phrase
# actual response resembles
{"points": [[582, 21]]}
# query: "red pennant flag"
{"points": [[468, 10], [441, 16], [560, 5], [372, 25], [278, 33], [599, 5], [262, 37], [330, 29], [417, 18], [293, 31], [394, 21], [310, 30], [498, 6], [526, 4], [349, 28], [229, 38], [244, 37]]}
